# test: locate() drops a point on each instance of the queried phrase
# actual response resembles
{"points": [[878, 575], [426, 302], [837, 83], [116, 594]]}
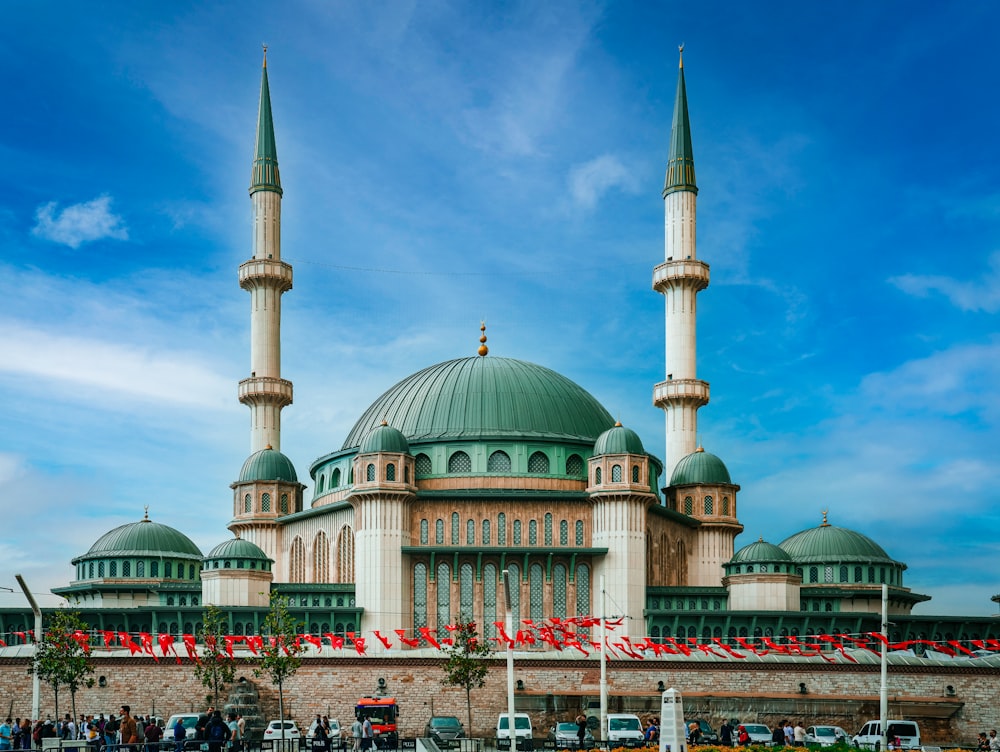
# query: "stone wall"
{"points": [[841, 694]]}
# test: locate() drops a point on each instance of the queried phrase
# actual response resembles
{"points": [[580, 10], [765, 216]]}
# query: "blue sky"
{"points": [[447, 162]]}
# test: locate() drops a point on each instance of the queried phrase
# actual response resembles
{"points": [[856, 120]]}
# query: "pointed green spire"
{"points": [[265, 175], [680, 163]]}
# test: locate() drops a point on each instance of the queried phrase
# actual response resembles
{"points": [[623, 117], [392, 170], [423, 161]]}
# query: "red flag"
{"points": [[313, 640], [426, 634], [255, 643], [108, 637], [83, 640], [410, 641], [384, 640], [147, 644], [191, 645], [359, 645]]}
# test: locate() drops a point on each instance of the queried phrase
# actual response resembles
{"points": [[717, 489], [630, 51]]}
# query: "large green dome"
{"points": [[700, 467], [384, 438], [828, 543], [143, 538], [485, 397], [268, 464]]}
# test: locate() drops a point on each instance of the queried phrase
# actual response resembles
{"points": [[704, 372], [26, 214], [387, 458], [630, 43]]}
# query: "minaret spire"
{"points": [[679, 279], [266, 277]]}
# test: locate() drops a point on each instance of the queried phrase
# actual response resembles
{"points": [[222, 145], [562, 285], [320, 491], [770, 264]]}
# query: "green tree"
{"points": [[467, 662], [216, 668], [280, 655], [60, 659]]}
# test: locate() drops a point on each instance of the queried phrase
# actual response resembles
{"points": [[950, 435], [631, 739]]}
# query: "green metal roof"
{"points": [[700, 467], [828, 543], [237, 548], [618, 440], [760, 551], [265, 175], [485, 397], [143, 538], [384, 438], [268, 464], [680, 162]]}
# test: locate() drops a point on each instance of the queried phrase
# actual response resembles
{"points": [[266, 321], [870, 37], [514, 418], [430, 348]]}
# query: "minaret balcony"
{"points": [[258, 272], [691, 272], [265, 390], [680, 390]]}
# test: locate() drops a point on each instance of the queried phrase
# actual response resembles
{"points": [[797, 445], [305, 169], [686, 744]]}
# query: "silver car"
{"points": [[825, 736]]}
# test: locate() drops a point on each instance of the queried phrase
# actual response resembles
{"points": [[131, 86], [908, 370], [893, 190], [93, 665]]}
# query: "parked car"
{"points": [[189, 721], [758, 733], [708, 735], [906, 732], [624, 730], [522, 726], [274, 730], [825, 736], [565, 735], [444, 729]]}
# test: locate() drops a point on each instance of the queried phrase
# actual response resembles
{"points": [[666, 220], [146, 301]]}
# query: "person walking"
{"points": [[180, 736], [356, 733], [6, 734], [367, 734], [216, 732], [581, 731], [235, 734]]}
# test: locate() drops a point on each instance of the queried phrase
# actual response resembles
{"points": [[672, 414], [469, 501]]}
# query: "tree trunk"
{"points": [[55, 693], [281, 714], [72, 705], [468, 708]]}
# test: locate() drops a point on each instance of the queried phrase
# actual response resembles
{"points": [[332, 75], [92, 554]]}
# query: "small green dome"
{"points": [[143, 538], [384, 438], [237, 548], [828, 543], [268, 464], [700, 467], [618, 440], [760, 551]]}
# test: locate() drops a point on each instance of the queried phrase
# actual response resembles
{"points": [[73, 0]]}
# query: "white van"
{"points": [[899, 735], [624, 728], [522, 726]]}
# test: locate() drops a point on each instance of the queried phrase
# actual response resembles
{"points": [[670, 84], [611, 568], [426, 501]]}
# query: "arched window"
{"points": [[537, 592], [813, 574], [321, 558], [616, 473], [443, 597], [538, 463], [247, 507], [345, 554], [459, 462], [501, 529], [490, 599], [154, 569], [871, 575], [574, 465], [709, 505], [319, 484], [168, 569], [284, 503], [499, 462], [533, 532], [420, 595], [126, 568], [470, 533], [635, 473], [465, 591], [725, 506], [140, 569], [335, 478], [390, 471], [454, 528], [597, 476], [548, 528], [688, 505], [559, 591], [579, 532], [486, 532], [112, 569], [422, 465], [424, 532], [370, 472], [514, 573], [439, 532], [563, 533], [582, 590], [265, 503], [297, 561], [517, 532]]}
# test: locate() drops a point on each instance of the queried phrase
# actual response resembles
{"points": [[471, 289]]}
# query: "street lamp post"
{"points": [[35, 685], [509, 624]]}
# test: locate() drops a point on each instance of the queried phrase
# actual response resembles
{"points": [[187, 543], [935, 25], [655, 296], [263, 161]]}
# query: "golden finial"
{"points": [[384, 422], [680, 50], [760, 539], [265, 54], [268, 446], [699, 448], [618, 424], [483, 349], [145, 515], [825, 523]]}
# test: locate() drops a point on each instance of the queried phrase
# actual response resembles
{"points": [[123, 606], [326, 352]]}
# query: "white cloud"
{"points": [[981, 294], [79, 223], [589, 181]]}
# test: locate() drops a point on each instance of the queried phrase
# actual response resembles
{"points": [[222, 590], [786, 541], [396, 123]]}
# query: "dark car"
{"points": [[708, 734], [444, 730]]}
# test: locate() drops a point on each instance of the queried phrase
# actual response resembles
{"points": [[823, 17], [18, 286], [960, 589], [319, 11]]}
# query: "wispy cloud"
{"points": [[79, 223], [589, 181], [981, 294]]}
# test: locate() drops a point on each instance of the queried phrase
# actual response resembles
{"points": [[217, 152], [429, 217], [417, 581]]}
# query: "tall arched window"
{"points": [[813, 574], [490, 599], [559, 591], [688, 505], [725, 506], [470, 533], [112, 569], [140, 569], [536, 589], [443, 597], [597, 476], [582, 590], [709, 505], [335, 478], [499, 462], [459, 462], [517, 532], [320, 484], [154, 569], [465, 591], [486, 532], [616, 473], [514, 573], [563, 533], [454, 528], [126, 568], [538, 463], [439, 532], [424, 533], [501, 529], [635, 473], [422, 465], [579, 532], [574, 465], [265, 502], [533, 532], [247, 505], [284, 503], [321, 558], [420, 595], [370, 472], [390, 471], [548, 528], [297, 561], [345, 554]]}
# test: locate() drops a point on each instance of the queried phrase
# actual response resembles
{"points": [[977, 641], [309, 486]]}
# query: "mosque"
{"points": [[482, 464]]}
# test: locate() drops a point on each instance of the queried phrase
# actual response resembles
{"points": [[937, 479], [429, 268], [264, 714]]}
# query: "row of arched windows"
{"points": [[516, 535], [707, 506], [616, 474], [320, 560], [528, 597], [264, 504], [829, 574], [137, 569]]}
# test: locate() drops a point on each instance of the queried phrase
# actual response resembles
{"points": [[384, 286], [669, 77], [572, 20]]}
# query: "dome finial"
{"points": [[265, 53], [680, 50], [483, 349], [825, 523], [145, 513], [384, 422]]}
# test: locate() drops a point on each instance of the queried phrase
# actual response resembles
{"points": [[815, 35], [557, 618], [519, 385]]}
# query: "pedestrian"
{"points": [[367, 734], [726, 734], [743, 736], [982, 743], [180, 736], [152, 733], [778, 735], [321, 739], [242, 724], [127, 729], [6, 734], [799, 735], [652, 733], [581, 732], [216, 732], [994, 741], [356, 732], [235, 735]]}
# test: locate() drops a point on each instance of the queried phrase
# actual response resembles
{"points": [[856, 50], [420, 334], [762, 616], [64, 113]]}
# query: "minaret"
{"points": [[680, 278], [266, 277]]}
